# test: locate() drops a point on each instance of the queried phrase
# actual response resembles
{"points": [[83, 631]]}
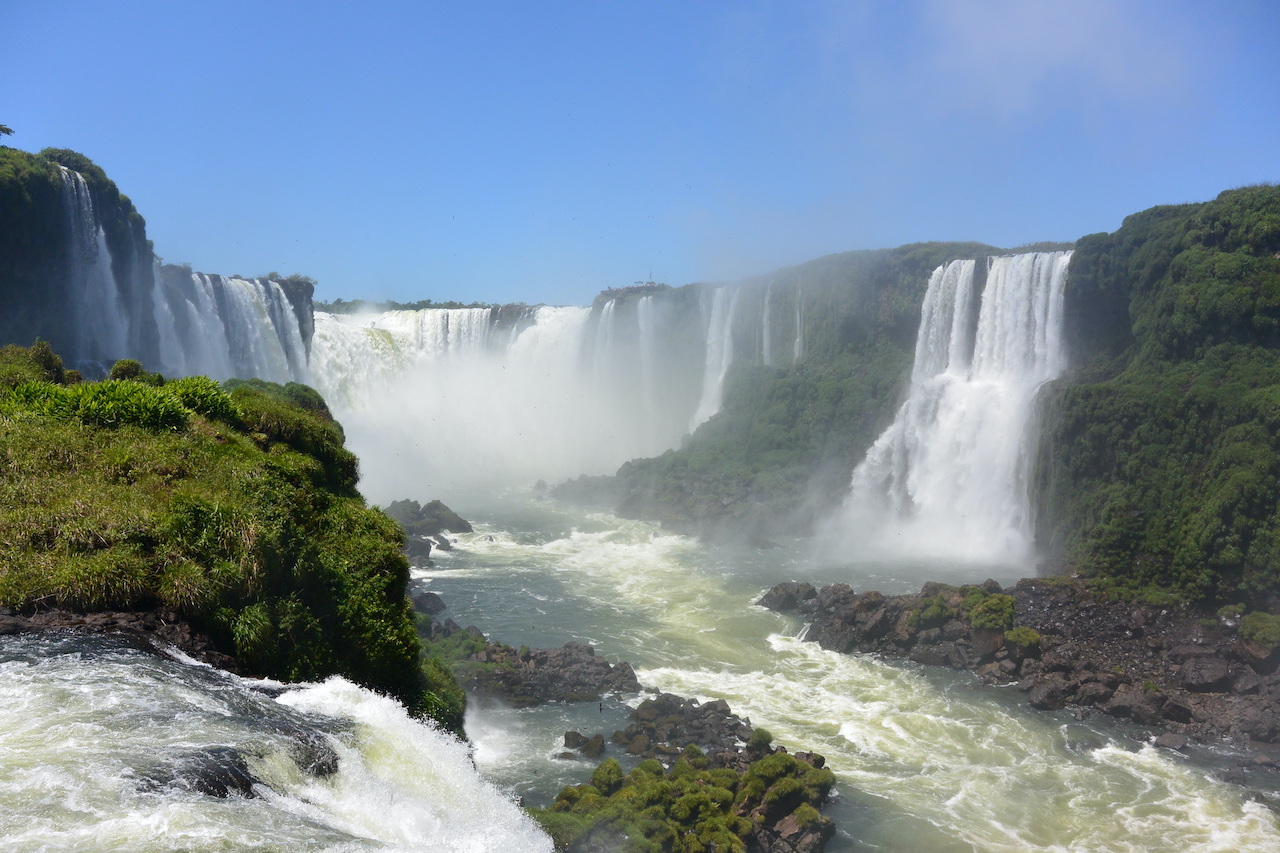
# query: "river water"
{"points": [[926, 759], [98, 737]]}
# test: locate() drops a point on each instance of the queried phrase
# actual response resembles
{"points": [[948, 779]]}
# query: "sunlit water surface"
{"points": [[926, 759]]}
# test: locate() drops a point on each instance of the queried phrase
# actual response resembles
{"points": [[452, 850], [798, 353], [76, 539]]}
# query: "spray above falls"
{"points": [[950, 476]]}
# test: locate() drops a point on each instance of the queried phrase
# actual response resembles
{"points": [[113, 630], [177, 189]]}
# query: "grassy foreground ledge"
{"points": [[234, 507]]}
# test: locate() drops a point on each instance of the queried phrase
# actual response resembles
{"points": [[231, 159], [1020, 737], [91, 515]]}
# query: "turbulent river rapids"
{"points": [[96, 733]]}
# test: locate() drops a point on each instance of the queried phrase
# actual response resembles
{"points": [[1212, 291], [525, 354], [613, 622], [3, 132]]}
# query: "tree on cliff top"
{"points": [[5, 130]]}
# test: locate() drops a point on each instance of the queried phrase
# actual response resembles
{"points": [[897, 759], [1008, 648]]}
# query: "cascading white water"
{"points": [[101, 320], [568, 391], [469, 409], [262, 330], [949, 477], [604, 342], [719, 348], [102, 747], [228, 327]]}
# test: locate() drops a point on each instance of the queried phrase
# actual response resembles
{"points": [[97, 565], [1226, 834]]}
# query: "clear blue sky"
{"points": [[539, 152]]}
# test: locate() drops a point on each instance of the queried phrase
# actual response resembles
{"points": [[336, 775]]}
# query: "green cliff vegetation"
{"points": [[235, 508], [1159, 468], [786, 439]]}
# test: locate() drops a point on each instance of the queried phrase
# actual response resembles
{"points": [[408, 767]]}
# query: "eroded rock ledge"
{"points": [[1170, 668]]}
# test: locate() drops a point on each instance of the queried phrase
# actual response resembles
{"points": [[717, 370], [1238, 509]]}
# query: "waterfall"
{"points": [[604, 341], [101, 322], [227, 327], [719, 349], [646, 328], [950, 475], [104, 743], [435, 398]]}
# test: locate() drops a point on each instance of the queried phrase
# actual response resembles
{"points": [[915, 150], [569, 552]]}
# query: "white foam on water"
{"points": [[954, 759], [403, 782], [94, 731], [996, 776]]}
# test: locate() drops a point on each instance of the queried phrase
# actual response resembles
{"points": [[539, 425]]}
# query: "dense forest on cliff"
{"points": [[1160, 454], [237, 510]]}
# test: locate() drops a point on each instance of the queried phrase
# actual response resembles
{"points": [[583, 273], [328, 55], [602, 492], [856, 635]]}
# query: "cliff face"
{"points": [[1159, 461]]}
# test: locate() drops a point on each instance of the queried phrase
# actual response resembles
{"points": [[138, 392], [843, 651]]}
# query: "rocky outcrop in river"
{"points": [[1165, 667]]}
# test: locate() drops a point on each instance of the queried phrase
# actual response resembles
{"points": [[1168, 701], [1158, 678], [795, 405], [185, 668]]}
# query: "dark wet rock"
{"points": [[788, 836], [442, 542], [13, 625], [574, 740], [1092, 693], [1048, 694], [428, 602], [1135, 703], [594, 747], [787, 596], [417, 549], [1206, 674], [310, 750], [1245, 681], [217, 772], [1169, 740], [156, 631], [665, 724], [1180, 709], [429, 519], [526, 677]]}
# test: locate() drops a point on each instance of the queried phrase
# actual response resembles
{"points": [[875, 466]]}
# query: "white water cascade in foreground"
{"points": [[103, 747], [949, 477]]}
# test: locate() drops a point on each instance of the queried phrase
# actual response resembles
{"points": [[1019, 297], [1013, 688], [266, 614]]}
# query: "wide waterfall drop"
{"points": [[439, 399], [949, 477], [227, 327]]}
